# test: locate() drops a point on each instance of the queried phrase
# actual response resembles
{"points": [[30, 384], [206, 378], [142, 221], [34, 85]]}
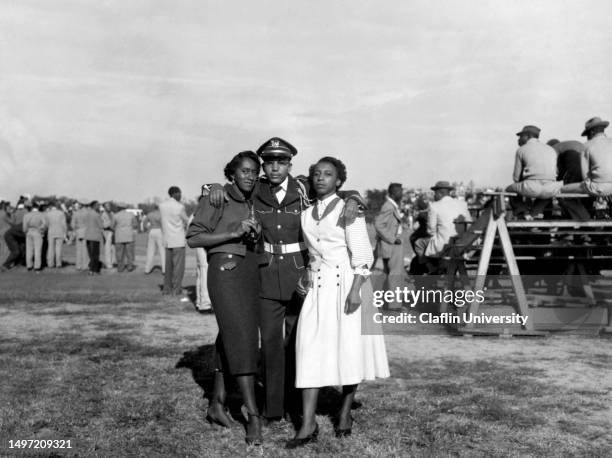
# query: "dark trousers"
{"points": [[278, 354], [93, 249], [175, 269], [522, 206], [576, 208], [125, 255], [15, 241]]}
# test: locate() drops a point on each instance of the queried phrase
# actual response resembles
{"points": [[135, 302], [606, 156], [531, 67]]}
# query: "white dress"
{"points": [[330, 347]]}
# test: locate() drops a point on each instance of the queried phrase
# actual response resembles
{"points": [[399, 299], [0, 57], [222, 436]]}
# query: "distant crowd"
{"points": [[33, 234]]}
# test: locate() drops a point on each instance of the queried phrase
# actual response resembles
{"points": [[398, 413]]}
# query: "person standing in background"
{"points": [[78, 226], [155, 240], [5, 225], [124, 226], [34, 225], [388, 225], [15, 237], [56, 233], [93, 236], [108, 220], [174, 221]]}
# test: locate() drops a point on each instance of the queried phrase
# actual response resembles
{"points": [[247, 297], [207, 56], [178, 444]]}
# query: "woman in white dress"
{"points": [[330, 347]]}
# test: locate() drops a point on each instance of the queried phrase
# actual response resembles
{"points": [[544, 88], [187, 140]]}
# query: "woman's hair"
{"points": [[337, 163], [231, 166]]}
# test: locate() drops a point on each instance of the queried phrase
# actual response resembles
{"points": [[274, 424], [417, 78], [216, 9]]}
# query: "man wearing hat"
{"points": [[279, 199], [535, 173], [596, 167], [441, 218]]}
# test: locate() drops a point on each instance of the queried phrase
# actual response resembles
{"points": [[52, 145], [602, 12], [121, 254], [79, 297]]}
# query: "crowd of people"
{"points": [[34, 233], [546, 171], [285, 262]]}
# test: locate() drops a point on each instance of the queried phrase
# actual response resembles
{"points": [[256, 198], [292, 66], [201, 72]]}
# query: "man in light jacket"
{"points": [[56, 233], [124, 225], [388, 225]]}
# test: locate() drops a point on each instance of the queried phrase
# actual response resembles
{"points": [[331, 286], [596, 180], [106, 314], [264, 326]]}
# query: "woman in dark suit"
{"points": [[229, 234]]}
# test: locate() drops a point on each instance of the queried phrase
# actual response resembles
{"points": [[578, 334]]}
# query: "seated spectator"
{"points": [[596, 168], [441, 219], [534, 176]]}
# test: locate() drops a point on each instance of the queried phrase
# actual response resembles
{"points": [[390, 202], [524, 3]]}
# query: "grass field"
{"points": [[107, 363]]}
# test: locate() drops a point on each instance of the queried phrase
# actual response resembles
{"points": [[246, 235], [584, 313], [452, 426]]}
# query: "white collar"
{"points": [[284, 184], [327, 200]]}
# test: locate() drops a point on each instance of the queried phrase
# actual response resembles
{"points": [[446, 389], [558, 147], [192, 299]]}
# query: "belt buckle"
{"points": [[277, 248]]}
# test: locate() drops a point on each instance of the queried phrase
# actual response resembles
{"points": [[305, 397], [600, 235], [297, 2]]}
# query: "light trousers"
{"points": [[54, 251], [109, 249], [82, 257], [155, 243], [34, 242], [394, 269]]}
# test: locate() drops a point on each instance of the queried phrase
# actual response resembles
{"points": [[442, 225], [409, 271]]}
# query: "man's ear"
{"points": [[290, 165]]}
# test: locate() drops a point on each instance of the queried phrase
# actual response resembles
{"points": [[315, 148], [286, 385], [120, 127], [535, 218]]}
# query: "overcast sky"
{"points": [[121, 99]]}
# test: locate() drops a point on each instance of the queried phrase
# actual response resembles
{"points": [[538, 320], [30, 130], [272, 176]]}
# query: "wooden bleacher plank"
{"points": [[558, 223]]}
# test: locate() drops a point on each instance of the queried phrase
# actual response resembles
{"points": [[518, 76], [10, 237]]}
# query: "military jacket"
{"points": [[279, 273]]}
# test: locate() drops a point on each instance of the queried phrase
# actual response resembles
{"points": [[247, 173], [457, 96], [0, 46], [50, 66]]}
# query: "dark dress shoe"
{"points": [[300, 442]]}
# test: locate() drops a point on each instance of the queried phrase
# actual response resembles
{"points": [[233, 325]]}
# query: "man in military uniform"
{"points": [[278, 200]]}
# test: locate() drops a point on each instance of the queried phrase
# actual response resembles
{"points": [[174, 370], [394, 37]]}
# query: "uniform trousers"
{"points": [[125, 255], [34, 242], [155, 242], [277, 321], [175, 270], [54, 251], [234, 295]]}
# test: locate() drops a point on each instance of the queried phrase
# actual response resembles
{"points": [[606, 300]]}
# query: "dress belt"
{"points": [[284, 248]]}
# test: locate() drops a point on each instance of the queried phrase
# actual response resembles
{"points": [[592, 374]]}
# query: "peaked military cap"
{"points": [[277, 147], [533, 130]]}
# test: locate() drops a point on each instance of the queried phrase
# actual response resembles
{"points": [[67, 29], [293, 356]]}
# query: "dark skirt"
{"points": [[234, 295]]}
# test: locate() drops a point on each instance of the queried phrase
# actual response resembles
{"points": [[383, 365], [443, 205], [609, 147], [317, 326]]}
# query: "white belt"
{"points": [[284, 248]]}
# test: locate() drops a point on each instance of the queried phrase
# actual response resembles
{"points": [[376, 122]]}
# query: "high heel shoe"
{"points": [[253, 436], [300, 442], [218, 416], [344, 432]]}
